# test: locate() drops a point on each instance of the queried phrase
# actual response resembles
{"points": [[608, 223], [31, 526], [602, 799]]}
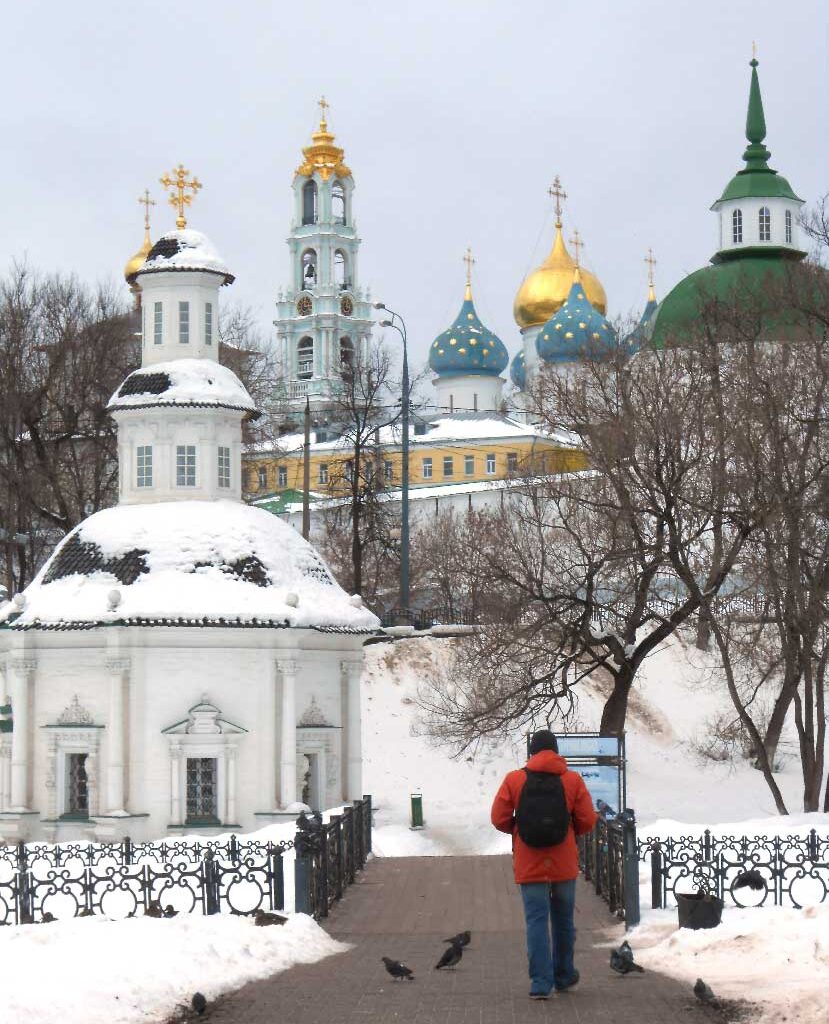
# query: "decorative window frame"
{"points": [[203, 733], [73, 733]]}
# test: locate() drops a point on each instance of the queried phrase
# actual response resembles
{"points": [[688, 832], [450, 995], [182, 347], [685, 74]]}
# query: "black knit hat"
{"points": [[543, 740]]}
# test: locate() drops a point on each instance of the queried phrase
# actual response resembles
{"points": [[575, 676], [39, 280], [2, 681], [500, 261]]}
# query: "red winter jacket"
{"points": [[550, 863]]}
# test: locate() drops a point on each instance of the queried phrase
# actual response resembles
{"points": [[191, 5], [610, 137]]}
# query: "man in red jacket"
{"points": [[547, 875]]}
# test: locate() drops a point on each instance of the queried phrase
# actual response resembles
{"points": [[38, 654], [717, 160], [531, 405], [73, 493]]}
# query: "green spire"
{"points": [[756, 155]]}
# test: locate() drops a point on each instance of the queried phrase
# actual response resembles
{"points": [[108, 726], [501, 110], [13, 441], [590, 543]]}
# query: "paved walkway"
{"points": [[402, 908]]}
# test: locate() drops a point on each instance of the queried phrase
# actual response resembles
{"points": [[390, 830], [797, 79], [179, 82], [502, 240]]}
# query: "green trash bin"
{"points": [[417, 810]]}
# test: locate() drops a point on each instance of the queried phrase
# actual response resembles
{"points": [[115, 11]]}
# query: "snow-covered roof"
{"points": [[185, 250], [185, 563], [182, 382]]}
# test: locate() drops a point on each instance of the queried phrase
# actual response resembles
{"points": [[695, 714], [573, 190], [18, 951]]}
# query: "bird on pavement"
{"points": [[199, 1003], [751, 879], [451, 956], [461, 939], [47, 918], [262, 918], [705, 994], [397, 970], [622, 962]]}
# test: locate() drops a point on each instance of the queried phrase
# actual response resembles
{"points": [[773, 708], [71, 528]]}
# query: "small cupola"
{"points": [[518, 370]]}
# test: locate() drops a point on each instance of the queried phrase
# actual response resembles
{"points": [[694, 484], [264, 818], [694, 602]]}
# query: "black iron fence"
{"points": [[235, 876], [608, 858], [425, 618], [746, 871]]}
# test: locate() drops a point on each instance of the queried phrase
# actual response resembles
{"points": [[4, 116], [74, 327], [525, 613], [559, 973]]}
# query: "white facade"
{"points": [[469, 392], [770, 221]]}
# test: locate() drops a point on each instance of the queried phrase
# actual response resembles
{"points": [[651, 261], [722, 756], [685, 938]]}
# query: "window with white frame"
{"points": [[448, 465], [469, 465], [208, 323], [282, 476], [184, 323], [185, 465], [788, 221], [323, 473], [144, 465], [158, 323], [427, 468], [765, 224], [737, 226], [224, 466], [490, 463]]}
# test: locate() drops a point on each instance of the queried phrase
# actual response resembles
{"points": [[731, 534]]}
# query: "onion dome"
{"points": [[518, 371], [467, 347], [643, 330], [322, 156], [185, 249], [544, 291], [136, 262], [577, 328]]}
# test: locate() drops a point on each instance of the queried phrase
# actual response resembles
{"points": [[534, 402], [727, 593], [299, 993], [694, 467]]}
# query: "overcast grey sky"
{"points": [[454, 116]]}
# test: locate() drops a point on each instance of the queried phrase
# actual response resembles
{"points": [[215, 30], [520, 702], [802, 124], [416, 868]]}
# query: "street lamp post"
{"points": [[398, 324]]}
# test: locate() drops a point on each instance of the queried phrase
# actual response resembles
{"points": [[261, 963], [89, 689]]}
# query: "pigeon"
{"points": [[169, 910], [461, 939], [47, 918], [450, 956], [262, 918], [622, 962], [704, 993], [154, 909], [751, 879], [397, 970], [87, 912], [199, 1003]]}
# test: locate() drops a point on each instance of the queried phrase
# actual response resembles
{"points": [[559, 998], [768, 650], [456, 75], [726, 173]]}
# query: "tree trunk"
{"points": [[703, 641], [776, 722], [615, 709]]}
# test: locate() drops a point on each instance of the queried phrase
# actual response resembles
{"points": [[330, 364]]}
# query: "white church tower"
{"points": [[183, 662], [323, 316]]}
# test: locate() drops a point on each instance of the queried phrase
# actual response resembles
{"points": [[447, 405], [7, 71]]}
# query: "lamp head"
{"points": [[379, 305], [386, 323]]}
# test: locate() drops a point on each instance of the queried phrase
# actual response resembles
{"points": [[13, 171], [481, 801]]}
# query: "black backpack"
{"points": [[542, 817]]}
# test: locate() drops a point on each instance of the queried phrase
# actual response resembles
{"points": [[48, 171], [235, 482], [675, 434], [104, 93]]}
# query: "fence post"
{"points": [[631, 869], [303, 904], [210, 883], [278, 877], [126, 850], [367, 822], [656, 877], [25, 914]]}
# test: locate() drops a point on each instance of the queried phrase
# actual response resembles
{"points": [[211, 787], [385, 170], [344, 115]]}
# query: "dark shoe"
{"points": [[539, 995], [574, 980]]}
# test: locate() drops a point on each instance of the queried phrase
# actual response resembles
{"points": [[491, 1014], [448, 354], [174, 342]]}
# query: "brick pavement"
{"points": [[403, 907]]}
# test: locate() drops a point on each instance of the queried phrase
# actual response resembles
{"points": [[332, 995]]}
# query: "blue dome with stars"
{"points": [[518, 371], [467, 346], [576, 329], [642, 331]]}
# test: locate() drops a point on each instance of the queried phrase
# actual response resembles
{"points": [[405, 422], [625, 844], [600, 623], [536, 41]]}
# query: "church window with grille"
{"points": [[305, 358], [158, 323], [77, 786], [184, 323], [224, 466], [427, 468], [788, 220], [185, 465], [737, 226], [202, 790], [144, 465], [309, 202], [208, 323], [765, 224]]}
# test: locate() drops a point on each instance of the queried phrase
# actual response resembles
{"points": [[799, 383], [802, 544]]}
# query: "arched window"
{"points": [[788, 227], [305, 358], [765, 224], [309, 202], [346, 353], [309, 268], [737, 226], [340, 270], [338, 202]]}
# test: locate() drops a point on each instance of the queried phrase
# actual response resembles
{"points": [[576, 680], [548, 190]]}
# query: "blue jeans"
{"points": [[549, 907]]}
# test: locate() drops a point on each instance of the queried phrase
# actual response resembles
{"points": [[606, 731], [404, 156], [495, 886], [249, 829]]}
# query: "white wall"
{"points": [[750, 209], [469, 392], [169, 288]]}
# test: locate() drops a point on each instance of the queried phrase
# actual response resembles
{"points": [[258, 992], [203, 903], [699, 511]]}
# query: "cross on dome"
{"points": [[651, 262], [469, 260], [558, 193], [323, 105], [146, 202], [178, 197], [578, 245]]}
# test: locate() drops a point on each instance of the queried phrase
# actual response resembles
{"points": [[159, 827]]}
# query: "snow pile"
{"points": [[189, 382], [97, 971], [185, 250], [186, 561]]}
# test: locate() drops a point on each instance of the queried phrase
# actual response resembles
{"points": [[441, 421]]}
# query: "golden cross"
{"points": [[578, 245], [651, 262], [179, 199], [558, 192], [324, 105], [146, 202], [470, 262]]}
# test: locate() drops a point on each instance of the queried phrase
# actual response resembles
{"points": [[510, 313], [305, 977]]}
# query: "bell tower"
{"points": [[323, 316]]}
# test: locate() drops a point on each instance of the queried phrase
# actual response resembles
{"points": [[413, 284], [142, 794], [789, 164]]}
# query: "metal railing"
{"points": [[127, 879], [747, 871], [424, 618], [608, 857]]}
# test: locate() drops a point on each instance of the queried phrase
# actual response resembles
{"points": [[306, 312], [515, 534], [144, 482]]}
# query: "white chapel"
{"points": [[183, 662]]}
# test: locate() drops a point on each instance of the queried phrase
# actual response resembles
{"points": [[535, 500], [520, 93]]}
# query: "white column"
{"points": [[175, 785], [118, 669], [352, 738], [287, 751], [269, 739], [231, 785], [22, 681]]}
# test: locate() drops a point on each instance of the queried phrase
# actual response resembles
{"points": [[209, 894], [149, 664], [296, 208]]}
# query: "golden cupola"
{"points": [[136, 262], [544, 291], [322, 155]]}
